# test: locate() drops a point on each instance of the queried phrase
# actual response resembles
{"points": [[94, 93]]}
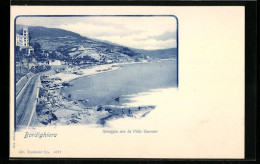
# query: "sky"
{"points": [[148, 33]]}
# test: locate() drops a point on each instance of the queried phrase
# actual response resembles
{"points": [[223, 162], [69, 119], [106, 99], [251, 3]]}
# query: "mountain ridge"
{"points": [[159, 53], [72, 46]]}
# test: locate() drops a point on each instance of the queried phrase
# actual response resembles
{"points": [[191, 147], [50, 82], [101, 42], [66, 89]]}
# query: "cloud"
{"points": [[166, 36], [136, 32]]}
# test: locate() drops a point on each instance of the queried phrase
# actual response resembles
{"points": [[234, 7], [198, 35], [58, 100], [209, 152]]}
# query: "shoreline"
{"points": [[109, 67], [86, 71], [54, 108]]}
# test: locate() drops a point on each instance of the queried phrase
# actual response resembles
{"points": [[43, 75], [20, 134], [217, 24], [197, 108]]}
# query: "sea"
{"points": [[114, 87]]}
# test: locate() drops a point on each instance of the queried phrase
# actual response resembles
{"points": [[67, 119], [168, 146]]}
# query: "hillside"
{"points": [[72, 46], [159, 54]]}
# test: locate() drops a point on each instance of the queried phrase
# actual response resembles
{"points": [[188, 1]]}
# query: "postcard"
{"points": [[127, 82]]}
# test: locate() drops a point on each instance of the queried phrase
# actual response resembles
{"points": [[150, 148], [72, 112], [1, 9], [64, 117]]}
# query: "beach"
{"points": [[57, 106]]}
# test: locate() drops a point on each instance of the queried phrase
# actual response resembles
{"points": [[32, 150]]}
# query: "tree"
{"points": [[17, 53], [37, 48]]}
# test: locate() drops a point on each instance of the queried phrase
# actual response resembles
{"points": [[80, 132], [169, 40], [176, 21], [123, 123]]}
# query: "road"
{"points": [[26, 103], [21, 83]]}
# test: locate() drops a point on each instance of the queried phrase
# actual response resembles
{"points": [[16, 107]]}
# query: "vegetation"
{"points": [[26, 62], [41, 68]]}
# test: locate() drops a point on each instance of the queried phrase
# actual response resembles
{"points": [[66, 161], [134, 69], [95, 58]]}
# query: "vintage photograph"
{"points": [[165, 82], [89, 70]]}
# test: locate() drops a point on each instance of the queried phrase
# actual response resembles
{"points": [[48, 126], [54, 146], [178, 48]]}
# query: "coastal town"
{"points": [[52, 73]]}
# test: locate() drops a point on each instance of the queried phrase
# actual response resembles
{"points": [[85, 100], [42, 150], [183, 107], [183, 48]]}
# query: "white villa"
{"points": [[22, 41]]}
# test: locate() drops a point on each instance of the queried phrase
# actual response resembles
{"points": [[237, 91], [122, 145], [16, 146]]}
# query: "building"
{"points": [[55, 62], [22, 41]]}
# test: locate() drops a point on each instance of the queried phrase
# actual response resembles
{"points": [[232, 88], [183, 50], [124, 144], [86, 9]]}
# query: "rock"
{"points": [[44, 122], [117, 99], [74, 121], [109, 110], [53, 117], [66, 84], [57, 78], [84, 101], [99, 108]]}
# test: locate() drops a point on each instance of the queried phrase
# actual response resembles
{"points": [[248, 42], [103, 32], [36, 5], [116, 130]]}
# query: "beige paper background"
{"points": [[203, 118]]}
